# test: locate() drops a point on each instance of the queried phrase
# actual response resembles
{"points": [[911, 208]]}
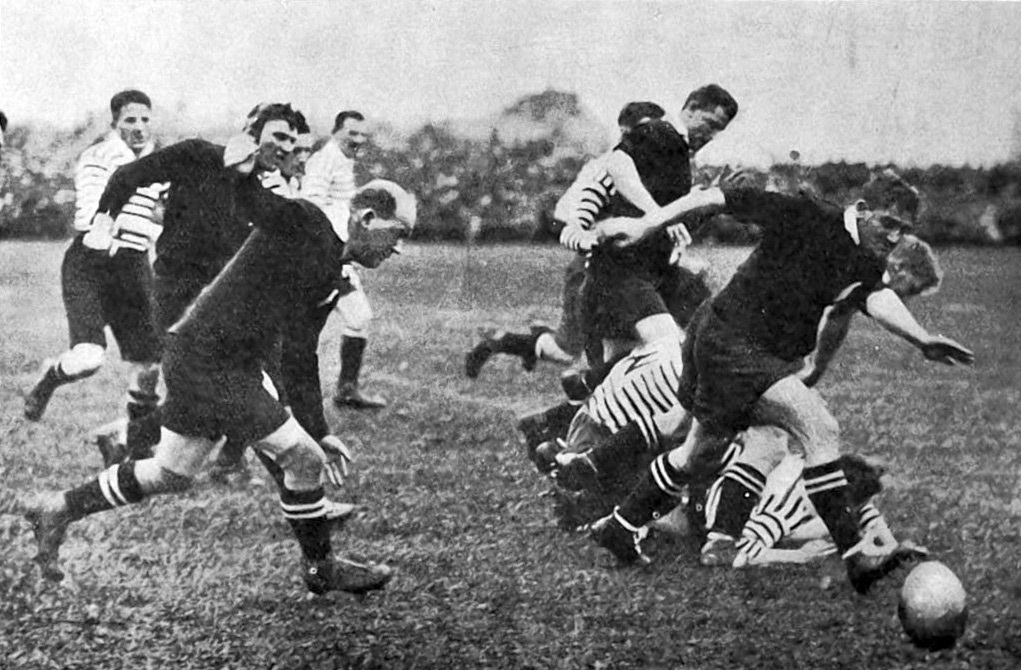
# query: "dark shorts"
{"points": [[725, 372], [100, 290], [570, 336], [615, 302], [210, 396]]}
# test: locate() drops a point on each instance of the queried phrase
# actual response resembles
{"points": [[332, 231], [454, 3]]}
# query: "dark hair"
{"points": [[710, 97], [127, 97], [338, 123], [302, 125], [862, 478], [633, 112], [274, 111], [3, 122], [887, 189], [379, 200]]}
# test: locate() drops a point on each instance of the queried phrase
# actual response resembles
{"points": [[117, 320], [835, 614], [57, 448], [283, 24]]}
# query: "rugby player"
{"points": [[745, 348], [214, 368], [575, 213], [106, 278], [330, 183]]}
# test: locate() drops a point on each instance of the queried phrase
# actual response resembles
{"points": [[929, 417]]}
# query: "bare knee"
{"points": [[82, 359], [302, 465]]}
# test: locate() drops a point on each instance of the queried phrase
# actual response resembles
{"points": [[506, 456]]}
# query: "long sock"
{"points": [[144, 434], [826, 486], [657, 492], [141, 404], [114, 487], [352, 351], [517, 344], [306, 513], [739, 491]]}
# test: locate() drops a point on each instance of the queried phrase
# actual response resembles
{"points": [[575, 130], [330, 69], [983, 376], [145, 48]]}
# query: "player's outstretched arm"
{"points": [[624, 232], [890, 312]]}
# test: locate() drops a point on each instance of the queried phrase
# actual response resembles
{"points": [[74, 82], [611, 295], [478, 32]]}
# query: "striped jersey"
{"points": [[641, 389], [583, 201], [783, 509], [329, 183], [138, 226]]}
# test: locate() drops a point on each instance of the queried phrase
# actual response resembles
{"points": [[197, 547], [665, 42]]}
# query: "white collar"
{"points": [[851, 223]]}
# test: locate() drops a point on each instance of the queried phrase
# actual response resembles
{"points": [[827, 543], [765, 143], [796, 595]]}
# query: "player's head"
{"points": [[130, 115], [349, 129], [863, 478], [706, 113], [274, 129], [886, 212], [636, 113], [294, 164], [382, 214], [912, 268]]}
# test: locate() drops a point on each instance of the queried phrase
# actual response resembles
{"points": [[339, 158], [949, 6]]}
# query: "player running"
{"points": [[106, 278], [214, 369]]}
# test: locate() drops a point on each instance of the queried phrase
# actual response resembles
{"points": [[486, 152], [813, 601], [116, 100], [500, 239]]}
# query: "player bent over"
{"points": [[746, 345], [213, 365]]}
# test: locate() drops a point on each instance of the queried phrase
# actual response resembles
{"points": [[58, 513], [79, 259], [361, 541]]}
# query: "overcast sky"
{"points": [[871, 81]]}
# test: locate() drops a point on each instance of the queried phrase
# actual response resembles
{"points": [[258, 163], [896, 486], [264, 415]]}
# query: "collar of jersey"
{"points": [[122, 146], [851, 223]]}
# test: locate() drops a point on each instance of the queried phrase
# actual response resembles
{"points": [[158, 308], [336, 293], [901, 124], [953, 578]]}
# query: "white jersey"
{"points": [[329, 183], [138, 225]]}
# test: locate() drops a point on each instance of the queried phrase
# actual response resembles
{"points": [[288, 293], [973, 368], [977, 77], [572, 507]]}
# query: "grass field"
{"points": [[485, 578]]}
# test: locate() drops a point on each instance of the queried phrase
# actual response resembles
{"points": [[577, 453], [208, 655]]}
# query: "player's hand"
{"points": [[814, 549], [733, 178], [680, 238], [944, 350], [337, 458]]}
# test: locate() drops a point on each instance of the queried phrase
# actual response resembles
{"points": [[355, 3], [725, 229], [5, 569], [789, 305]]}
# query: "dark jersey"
{"points": [[662, 158], [285, 268], [208, 211], [806, 260]]}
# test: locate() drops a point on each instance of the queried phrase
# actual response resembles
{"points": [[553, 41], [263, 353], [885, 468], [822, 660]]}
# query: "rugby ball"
{"points": [[933, 606]]}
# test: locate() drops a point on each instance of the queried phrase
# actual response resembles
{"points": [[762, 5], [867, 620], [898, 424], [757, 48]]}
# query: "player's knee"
{"points": [[171, 481], [302, 464], [156, 477], [82, 359]]}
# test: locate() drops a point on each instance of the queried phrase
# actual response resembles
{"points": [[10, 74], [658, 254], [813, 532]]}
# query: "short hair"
{"points": [[388, 200], [710, 97], [338, 123], [3, 122], [916, 258], [302, 126], [272, 111], [886, 189], [633, 112], [120, 100]]}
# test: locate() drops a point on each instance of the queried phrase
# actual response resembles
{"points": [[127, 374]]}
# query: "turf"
{"points": [[485, 579]]}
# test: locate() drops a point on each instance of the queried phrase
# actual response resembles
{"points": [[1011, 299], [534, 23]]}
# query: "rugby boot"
{"points": [[864, 569], [39, 397], [624, 543], [575, 471], [349, 395], [342, 574], [49, 522], [545, 455], [339, 513]]}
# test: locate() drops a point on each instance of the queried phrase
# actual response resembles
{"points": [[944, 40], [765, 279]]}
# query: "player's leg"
{"points": [[538, 342], [802, 412], [303, 502], [81, 284], [356, 313], [178, 458]]}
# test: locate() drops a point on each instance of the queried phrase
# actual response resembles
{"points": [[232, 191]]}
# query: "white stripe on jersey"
{"points": [[583, 201], [640, 387], [92, 172], [329, 183]]}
